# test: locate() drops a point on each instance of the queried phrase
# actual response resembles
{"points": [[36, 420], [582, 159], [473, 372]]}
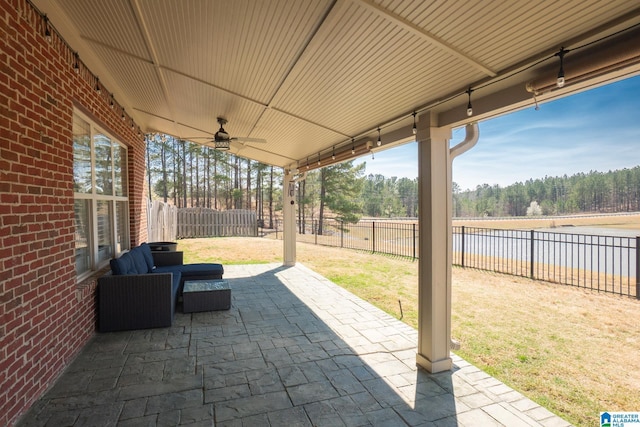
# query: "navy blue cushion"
{"points": [[167, 269], [118, 266], [146, 252], [123, 265], [192, 270], [138, 261]]}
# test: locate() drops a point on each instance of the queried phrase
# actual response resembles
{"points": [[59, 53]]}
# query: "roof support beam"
{"points": [[144, 30], [609, 61], [426, 36]]}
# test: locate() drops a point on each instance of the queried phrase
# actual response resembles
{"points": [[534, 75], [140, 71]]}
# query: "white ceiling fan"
{"points": [[222, 140]]}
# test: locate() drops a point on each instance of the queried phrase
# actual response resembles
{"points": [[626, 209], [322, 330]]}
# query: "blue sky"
{"points": [[593, 130]]}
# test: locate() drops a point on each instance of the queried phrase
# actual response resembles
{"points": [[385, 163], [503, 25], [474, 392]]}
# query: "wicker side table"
{"points": [[206, 295]]}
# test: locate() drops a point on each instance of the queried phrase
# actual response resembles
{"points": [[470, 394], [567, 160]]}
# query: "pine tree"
{"points": [[340, 188]]}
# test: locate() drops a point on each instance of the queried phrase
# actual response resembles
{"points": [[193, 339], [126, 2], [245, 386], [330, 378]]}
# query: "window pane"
{"points": [[100, 187], [104, 165], [81, 156], [120, 170], [82, 233], [122, 231], [105, 235]]}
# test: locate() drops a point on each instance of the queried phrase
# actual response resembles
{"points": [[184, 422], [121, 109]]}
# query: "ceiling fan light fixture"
{"points": [[223, 144], [222, 134], [222, 140]]}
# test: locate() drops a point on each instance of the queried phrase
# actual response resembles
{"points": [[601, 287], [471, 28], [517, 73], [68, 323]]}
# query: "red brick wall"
{"points": [[45, 316]]}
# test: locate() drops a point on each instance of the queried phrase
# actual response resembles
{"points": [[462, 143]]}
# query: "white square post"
{"points": [[289, 219], [434, 277]]}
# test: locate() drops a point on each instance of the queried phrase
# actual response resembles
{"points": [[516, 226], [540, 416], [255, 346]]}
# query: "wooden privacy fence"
{"points": [[162, 222], [202, 222], [167, 223]]}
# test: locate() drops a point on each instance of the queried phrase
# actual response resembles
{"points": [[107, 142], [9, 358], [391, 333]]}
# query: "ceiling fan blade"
{"points": [[258, 140]]}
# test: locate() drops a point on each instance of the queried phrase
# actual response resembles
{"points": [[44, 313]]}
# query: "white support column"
{"points": [[289, 219], [434, 277]]}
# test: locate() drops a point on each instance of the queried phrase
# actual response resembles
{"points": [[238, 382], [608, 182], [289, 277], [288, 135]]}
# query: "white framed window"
{"points": [[101, 202]]}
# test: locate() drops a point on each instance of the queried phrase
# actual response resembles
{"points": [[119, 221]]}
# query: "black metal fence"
{"points": [[603, 263], [385, 237]]}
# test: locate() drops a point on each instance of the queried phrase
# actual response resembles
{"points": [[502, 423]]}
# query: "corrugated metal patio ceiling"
{"points": [[310, 75]]}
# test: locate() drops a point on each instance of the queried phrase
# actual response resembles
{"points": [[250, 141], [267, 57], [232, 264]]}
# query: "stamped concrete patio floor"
{"points": [[294, 350]]}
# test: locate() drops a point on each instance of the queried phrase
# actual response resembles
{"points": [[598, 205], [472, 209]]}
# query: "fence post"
{"points": [[637, 267], [532, 255], [316, 230], [342, 234], [414, 240], [462, 247], [373, 237]]}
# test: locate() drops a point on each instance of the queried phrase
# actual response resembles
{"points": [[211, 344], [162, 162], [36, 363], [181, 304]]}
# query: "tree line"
{"points": [[193, 175], [603, 192]]}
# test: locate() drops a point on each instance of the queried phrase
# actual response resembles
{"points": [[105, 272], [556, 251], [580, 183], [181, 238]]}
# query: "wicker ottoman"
{"points": [[206, 295]]}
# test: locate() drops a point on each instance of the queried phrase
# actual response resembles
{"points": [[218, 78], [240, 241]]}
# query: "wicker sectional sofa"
{"points": [[143, 287]]}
